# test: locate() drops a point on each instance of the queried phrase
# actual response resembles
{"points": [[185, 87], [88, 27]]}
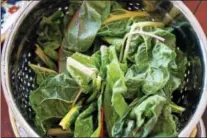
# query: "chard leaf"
{"points": [[97, 132], [51, 53], [177, 70], [83, 28], [84, 122], [114, 103], [82, 73], [84, 59], [53, 98], [85, 24], [115, 29], [143, 118], [96, 57], [147, 114], [107, 55], [110, 116], [40, 53], [153, 62], [50, 31], [42, 73], [115, 78], [116, 41], [166, 124], [155, 80], [84, 127]]}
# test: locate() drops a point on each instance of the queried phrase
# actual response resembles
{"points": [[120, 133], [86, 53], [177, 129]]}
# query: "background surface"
{"points": [[198, 7]]}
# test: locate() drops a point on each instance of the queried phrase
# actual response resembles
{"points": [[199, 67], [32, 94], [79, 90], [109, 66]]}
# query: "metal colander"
{"points": [[18, 78]]}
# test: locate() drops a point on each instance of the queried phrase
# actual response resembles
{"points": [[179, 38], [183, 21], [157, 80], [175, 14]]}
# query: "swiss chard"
{"points": [[49, 63], [83, 72], [84, 26], [70, 118], [53, 98], [130, 94], [114, 103], [50, 31], [153, 60], [84, 123], [99, 129], [42, 73], [144, 117]]}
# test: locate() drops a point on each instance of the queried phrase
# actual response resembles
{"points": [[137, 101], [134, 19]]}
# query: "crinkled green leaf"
{"points": [[144, 117], [53, 98], [166, 125], [50, 32]]}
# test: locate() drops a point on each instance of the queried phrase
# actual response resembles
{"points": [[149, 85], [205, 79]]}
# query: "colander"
{"points": [[18, 78]]}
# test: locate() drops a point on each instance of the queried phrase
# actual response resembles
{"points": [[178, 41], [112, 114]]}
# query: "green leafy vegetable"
{"points": [[98, 130], [50, 31], [53, 98], [82, 71], [166, 124], [45, 58], [115, 79], [84, 123], [84, 26], [42, 73], [117, 70], [144, 118]]}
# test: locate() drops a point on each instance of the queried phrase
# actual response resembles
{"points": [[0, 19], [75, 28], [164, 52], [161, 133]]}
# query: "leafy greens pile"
{"points": [[121, 87]]}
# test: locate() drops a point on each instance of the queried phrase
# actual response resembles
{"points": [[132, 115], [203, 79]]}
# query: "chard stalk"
{"points": [[176, 108], [58, 132], [144, 24], [97, 83], [128, 36], [125, 15], [77, 65], [77, 98], [69, 118], [148, 34]]}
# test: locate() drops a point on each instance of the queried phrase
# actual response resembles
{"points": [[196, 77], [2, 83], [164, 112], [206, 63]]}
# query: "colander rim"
{"points": [[18, 116]]}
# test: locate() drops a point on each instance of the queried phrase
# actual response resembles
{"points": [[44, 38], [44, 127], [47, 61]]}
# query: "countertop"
{"points": [[199, 8]]}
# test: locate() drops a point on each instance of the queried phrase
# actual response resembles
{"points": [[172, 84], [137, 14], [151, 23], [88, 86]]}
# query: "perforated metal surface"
{"points": [[22, 77]]}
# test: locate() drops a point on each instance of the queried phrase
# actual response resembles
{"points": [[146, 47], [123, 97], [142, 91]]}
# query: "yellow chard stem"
{"points": [[125, 15], [65, 122]]}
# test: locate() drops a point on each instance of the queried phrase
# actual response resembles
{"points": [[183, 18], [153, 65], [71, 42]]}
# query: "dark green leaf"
{"points": [[49, 30], [84, 26]]}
